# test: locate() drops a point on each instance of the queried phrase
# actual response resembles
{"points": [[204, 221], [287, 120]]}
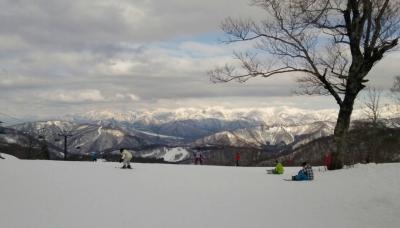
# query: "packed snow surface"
{"points": [[174, 154], [48, 194]]}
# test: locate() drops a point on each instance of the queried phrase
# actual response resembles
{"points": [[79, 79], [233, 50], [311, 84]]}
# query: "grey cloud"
{"points": [[81, 24], [136, 54]]}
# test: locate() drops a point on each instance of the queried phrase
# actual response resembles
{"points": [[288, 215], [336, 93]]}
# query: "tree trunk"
{"points": [[341, 128]]}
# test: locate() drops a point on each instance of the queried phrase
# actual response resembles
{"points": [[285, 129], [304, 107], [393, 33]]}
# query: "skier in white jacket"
{"points": [[126, 158]]}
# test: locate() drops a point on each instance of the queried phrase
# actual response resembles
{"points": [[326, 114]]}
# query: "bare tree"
{"points": [[371, 105], [396, 95], [396, 89], [333, 43]]}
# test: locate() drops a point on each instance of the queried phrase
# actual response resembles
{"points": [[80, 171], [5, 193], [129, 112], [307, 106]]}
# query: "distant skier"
{"points": [[278, 168], [126, 157], [94, 156], [198, 158], [327, 161], [237, 158], [304, 174]]}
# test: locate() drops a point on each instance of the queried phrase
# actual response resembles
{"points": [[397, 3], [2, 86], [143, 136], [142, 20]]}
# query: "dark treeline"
{"points": [[365, 143]]}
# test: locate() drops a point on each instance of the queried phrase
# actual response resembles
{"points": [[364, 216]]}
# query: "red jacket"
{"points": [[327, 159], [237, 157]]}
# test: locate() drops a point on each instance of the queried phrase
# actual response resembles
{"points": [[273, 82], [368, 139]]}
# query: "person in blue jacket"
{"points": [[304, 174]]}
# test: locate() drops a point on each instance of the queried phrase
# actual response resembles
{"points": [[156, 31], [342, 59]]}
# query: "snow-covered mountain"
{"points": [[263, 135], [24, 145], [269, 116], [220, 123], [103, 137], [191, 124], [263, 128], [84, 138]]}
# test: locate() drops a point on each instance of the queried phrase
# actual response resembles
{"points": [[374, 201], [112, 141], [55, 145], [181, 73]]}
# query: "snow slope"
{"points": [[175, 154], [50, 194]]}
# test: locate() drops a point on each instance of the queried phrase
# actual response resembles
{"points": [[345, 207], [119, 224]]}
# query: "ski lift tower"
{"points": [[66, 135]]}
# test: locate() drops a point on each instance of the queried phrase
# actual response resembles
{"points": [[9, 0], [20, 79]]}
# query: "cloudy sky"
{"points": [[59, 57]]}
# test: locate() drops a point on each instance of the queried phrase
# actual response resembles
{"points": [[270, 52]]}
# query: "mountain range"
{"points": [[163, 130], [261, 136]]}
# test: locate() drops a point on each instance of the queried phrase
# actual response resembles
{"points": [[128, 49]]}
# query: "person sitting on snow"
{"points": [[278, 168], [304, 174], [126, 158]]}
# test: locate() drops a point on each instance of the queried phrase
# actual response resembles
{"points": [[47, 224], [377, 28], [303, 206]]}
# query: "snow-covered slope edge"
{"points": [[83, 194]]}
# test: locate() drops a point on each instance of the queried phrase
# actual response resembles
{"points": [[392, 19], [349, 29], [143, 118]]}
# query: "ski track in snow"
{"points": [[172, 153], [58, 194], [99, 131]]}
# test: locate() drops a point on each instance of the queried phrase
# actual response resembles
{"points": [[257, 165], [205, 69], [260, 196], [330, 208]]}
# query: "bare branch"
{"points": [[333, 43], [371, 103]]}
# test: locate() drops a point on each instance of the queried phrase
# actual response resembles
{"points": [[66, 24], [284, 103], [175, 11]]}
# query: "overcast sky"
{"points": [[59, 57]]}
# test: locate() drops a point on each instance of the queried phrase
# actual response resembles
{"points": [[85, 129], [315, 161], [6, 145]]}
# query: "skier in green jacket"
{"points": [[278, 168]]}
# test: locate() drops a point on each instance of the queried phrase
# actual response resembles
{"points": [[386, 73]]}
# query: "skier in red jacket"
{"points": [[237, 158], [327, 160]]}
